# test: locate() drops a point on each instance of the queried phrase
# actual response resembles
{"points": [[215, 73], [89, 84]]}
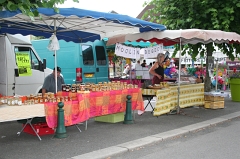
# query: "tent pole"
{"points": [[55, 53], [179, 76], [216, 87]]}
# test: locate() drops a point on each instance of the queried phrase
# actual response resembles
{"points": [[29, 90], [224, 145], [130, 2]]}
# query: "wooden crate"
{"points": [[214, 105], [213, 98]]}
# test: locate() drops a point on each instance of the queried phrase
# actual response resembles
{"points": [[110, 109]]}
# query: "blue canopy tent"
{"points": [[72, 24]]}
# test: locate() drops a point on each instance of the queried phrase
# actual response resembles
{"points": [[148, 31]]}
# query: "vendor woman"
{"points": [[157, 70]]}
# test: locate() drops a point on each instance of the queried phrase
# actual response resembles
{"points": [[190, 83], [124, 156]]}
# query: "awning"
{"points": [[72, 24], [185, 36]]}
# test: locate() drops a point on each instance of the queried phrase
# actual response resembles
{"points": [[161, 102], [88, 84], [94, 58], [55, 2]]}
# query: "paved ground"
{"points": [[102, 140]]}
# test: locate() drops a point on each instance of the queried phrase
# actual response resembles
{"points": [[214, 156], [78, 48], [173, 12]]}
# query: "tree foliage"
{"points": [[200, 14], [29, 7]]}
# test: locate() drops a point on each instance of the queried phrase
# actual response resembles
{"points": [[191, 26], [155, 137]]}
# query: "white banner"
{"points": [[127, 52], [152, 52]]}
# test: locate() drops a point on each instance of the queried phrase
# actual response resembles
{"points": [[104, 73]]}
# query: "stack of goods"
{"points": [[159, 86], [33, 99], [101, 86], [213, 101], [11, 101]]}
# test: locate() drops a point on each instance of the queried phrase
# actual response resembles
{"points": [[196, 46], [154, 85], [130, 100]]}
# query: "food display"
{"points": [[159, 86], [101, 86], [74, 88]]}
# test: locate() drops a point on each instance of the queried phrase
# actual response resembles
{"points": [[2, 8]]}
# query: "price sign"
{"points": [[24, 64]]}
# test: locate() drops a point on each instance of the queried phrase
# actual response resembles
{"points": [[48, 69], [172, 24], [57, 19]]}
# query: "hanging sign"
{"points": [[24, 64], [127, 52], [152, 52]]}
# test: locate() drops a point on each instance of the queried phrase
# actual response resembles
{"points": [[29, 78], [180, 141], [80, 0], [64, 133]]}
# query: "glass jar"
{"points": [[36, 100], [73, 90], [64, 87], [66, 98], [19, 102], [58, 99], [9, 101]]}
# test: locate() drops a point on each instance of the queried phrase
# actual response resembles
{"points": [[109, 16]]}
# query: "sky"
{"points": [[125, 7]]}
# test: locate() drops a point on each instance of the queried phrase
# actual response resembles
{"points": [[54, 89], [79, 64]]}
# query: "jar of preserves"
{"points": [[51, 95], [19, 102], [58, 99], [74, 88], [66, 98], [67, 88], [36, 100], [64, 87], [40, 99], [9, 101], [54, 99]]}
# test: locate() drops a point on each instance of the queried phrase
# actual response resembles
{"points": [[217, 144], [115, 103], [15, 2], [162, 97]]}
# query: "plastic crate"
{"points": [[41, 129], [112, 118]]}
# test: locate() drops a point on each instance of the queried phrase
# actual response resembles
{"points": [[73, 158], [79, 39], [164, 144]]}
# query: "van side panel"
{"points": [[67, 57], [75, 55], [3, 66]]}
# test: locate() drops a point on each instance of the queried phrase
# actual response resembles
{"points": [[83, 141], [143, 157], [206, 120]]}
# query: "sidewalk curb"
{"points": [[131, 145]]}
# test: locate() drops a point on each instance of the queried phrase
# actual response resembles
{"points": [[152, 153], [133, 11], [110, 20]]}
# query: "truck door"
{"points": [[31, 84], [101, 62], [88, 65]]}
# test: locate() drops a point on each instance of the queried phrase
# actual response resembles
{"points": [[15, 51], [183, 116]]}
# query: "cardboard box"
{"points": [[111, 118], [41, 129], [214, 105], [213, 98]]}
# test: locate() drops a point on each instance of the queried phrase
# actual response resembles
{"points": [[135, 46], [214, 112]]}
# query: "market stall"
{"points": [[78, 106]]}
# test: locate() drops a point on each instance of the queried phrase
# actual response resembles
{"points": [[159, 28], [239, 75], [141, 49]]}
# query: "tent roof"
{"points": [[72, 24]]}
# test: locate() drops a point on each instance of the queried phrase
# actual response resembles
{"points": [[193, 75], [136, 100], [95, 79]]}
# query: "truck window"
{"points": [[87, 53], [34, 60], [101, 55]]}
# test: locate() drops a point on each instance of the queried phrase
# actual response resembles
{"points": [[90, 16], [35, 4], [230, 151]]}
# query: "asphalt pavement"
{"points": [[103, 140]]}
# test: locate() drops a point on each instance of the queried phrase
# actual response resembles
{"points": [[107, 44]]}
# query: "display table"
{"points": [[92, 104], [167, 98], [82, 107], [13, 113]]}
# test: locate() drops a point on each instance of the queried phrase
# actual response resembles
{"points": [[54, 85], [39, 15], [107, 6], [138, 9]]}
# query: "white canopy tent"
{"points": [[185, 36]]}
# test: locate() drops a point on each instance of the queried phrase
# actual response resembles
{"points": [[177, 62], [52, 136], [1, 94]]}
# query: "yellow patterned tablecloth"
{"points": [[167, 98]]}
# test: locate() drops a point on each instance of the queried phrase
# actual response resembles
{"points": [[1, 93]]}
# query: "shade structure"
{"points": [[185, 36], [73, 24]]}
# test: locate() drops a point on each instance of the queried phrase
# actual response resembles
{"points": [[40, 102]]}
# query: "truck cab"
{"points": [[17, 77]]}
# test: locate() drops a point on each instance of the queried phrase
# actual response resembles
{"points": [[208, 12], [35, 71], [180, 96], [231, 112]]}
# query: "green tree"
{"points": [[28, 6], [200, 14]]}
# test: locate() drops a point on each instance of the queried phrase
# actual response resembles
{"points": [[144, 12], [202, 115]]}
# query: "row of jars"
{"points": [[101, 86], [11, 100], [33, 99]]}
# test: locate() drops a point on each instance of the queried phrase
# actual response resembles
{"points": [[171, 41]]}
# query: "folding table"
{"points": [[149, 98], [14, 113]]}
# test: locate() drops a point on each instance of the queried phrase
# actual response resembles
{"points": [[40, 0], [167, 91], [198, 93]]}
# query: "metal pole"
{"points": [[55, 53], [179, 76], [216, 75]]}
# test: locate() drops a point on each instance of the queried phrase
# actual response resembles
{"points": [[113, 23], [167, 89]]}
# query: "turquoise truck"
{"points": [[80, 62]]}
